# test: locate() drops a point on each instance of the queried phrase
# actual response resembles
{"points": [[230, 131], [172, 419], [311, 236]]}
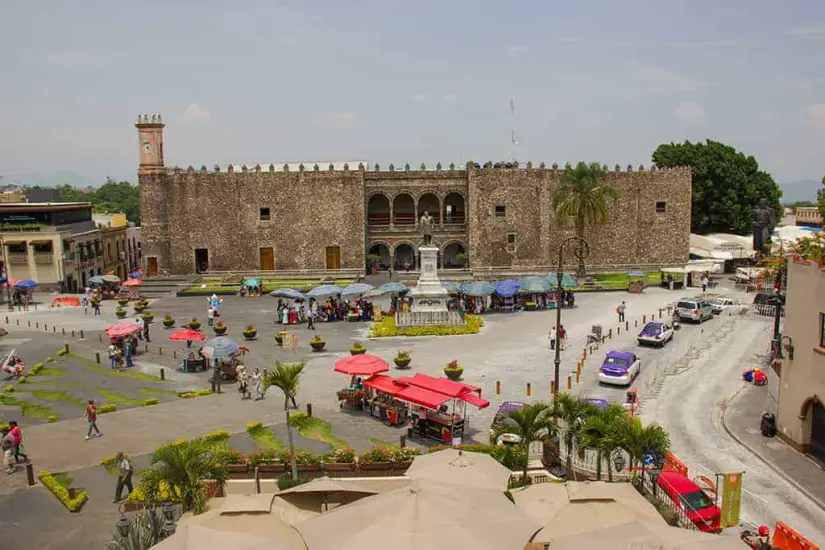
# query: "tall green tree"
{"points": [[583, 198], [180, 469], [530, 423], [113, 197], [286, 377], [574, 413], [639, 440], [820, 199], [727, 185], [600, 432]]}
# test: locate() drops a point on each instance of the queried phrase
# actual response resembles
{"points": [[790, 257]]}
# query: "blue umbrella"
{"points": [[356, 289], [325, 290], [534, 285], [567, 280], [252, 282], [452, 288], [386, 288], [476, 289], [136, 274], [289, 293], [96, 280], [27, 283], [220, 346], [506, 288]]}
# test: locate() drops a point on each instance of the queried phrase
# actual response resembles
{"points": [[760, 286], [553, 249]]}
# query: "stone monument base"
{"points": [[429, 306]]}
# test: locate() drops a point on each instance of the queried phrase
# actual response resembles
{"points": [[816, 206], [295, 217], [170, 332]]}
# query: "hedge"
{"points": [[386, 328], [62, 493], [192, 394], [150, 401], [103, 409], [218, 435], [61, 352], [37, 367]]}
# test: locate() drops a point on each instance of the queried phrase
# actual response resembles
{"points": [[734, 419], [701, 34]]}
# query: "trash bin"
{"points": [[768, 425]]}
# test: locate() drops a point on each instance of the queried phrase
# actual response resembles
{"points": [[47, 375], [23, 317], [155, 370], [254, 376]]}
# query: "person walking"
{"points": [[113, 355], [96, 306], [146, 332], [85, 303], [311, 320], [620, 310], [210, 316], [140, 324], [258, 383], [705, 282], [124, 476], [17, 439], [91, 417], [7, 446]]}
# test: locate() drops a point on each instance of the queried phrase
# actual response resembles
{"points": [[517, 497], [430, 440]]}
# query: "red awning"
{"points": [[440, 385], [122, 330], [473, 399], [425, 398], [384, 384]]}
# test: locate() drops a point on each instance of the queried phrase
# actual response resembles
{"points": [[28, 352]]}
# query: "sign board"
{"points": [[290, 341], [731, 499], [635, 287]]}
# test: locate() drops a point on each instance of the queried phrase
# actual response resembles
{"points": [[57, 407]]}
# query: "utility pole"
{"points": [[513, 140]]}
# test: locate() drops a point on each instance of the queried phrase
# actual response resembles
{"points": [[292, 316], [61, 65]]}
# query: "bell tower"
{"points": [[150, 141]]}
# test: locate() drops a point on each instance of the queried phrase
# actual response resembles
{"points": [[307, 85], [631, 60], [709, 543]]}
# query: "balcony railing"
{"points": [[17, 258], [410, 220], [43, 257]]}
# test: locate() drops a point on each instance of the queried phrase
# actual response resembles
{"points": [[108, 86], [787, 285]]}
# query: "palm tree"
{"points": [[530, 423], [286, 377], [639, 440], [179, 469], [574, 413], [583, 198], [599, 432]]}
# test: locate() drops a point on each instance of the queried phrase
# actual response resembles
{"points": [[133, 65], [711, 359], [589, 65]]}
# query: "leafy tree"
{"points": [[800, 204], [639, 440], [584, 198], [530, 423], [112, 197], [286, 378], [599, 432], [180, 469], [727, 185], [574, 413], [820, 199]]}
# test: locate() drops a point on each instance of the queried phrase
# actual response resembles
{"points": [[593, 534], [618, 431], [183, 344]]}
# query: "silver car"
{"points": [[694, 309]]}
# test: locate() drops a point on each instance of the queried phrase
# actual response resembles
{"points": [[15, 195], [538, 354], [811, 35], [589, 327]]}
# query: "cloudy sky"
{"points": [[400, 81]]}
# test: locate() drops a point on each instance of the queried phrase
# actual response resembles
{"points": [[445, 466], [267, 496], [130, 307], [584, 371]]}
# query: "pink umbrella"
{"points": [[132, 282], [186, 335], [362, 365], [122, 329]]}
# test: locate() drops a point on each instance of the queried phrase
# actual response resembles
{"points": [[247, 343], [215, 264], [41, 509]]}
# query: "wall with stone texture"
{"points": [[635, 236]]}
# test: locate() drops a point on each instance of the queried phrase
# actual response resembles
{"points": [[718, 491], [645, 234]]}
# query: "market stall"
{"points": [[358, 367], [381, 401], [123, 337], [130, 289]]}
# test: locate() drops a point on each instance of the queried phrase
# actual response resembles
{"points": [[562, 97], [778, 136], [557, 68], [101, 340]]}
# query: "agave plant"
{"points": [[145, 531]]}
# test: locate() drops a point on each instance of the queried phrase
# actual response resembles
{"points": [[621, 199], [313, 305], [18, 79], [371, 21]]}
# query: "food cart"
{"points": [[381, 401], [365, 365]]}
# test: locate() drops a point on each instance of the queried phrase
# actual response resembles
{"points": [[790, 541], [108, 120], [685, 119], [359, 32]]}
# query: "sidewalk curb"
{"points": [[798, 486]]}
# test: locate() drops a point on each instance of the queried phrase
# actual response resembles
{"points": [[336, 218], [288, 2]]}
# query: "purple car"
{"points": [[506, 408], [600, 403], [619, 368], [655, 333]]}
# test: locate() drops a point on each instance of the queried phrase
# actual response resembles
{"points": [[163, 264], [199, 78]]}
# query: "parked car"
{"points": [[766, 302], [655, 333], [690, 499], [721, 304], [504, 409], [619, 368], [600, 403], [694, 309]]}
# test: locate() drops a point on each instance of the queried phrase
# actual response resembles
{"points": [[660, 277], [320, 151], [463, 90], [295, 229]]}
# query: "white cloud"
{"points": [[691, 112], [816, 113], [335, 120], [811, 31], [518, 49], [194, 114], [449, 98], [420, 98]]}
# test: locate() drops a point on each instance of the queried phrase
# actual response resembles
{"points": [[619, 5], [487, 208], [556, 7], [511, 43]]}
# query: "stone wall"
{"points": [[636, 235]]}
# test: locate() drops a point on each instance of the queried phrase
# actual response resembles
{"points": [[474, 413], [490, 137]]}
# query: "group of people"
{"points": [[12, 446], [14, 366], [332, 309], [249, 291], [245, 380]]}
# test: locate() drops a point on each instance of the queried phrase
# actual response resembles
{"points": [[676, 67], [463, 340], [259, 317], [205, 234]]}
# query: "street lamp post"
{"points": [[581, 250]]}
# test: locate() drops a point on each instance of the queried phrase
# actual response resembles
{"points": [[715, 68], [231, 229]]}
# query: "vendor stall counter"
{"points": [[388, 410], [437, 425]]}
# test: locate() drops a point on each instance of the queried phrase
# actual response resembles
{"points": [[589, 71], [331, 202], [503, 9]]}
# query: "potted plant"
{"points": [[453, 370], [372, 261], [139, 307], [267, 461], [120, 312], [402, 359], [147, 317], [341, 459], [462, 258], [402, 458], [194, 324], [220, 328], [168, 321], [123, 302], [317, 343], [352, 317], [250, 332], [357, 348], [234, 461], [143, 302], [379, 458], [306, 461], [279, 337]]}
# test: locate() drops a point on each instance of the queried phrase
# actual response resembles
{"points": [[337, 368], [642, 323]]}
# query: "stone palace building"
{"points": [[326, 217]]}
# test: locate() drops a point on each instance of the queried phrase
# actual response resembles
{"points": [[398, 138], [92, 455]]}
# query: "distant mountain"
{"points": [[58, 177], [804, 190]]}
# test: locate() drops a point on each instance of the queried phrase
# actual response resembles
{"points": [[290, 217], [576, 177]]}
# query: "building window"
{"points": [[511, 238], [17, 248], [822, 330], [264, 214], [661, 207], [501, 211]]}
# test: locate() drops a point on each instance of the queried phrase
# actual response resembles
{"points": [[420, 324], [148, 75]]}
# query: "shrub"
{"points": [[387, 328], [9, 389], [168, 321], [402, 355], [49, 360], [37, 367], [61, 352], [254, 426], [219, 327], [317, 339], [148, 317], [218, 435], [250, 329], [150, 401], [62, 493], [181, 441], [21, 380], [165, 494], [231, 456], [267, 456], [120, 312], [301, 457], [194, 324], [340, 455], [357, 346], [193, 394], [286, 482], [377, 454], [52, 419], [103, 409]]}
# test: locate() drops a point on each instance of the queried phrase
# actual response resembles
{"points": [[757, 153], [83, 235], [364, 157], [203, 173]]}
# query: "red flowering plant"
{"points": [[376, 455]]}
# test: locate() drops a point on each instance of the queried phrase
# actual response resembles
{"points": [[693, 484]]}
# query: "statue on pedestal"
{"points": [[426, 224], [764, 222]]}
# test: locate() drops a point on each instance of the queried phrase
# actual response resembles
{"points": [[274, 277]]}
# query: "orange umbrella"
{"points": [[187, 335], [362, 365], [132, 282]]}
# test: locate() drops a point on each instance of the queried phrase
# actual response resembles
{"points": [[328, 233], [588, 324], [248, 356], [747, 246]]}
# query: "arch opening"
{"points": [[404, 257], [452, 260], [378, 210], [428, 202], [403, 210], [454, 209], [378, 256]]}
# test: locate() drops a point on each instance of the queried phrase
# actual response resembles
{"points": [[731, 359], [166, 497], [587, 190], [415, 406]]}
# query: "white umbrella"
{"points": [[646, 536], [455, 467], [196, 537]]}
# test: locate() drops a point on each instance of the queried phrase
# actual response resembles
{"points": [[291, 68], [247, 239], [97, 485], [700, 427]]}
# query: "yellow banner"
{"points": [[731, 499]]}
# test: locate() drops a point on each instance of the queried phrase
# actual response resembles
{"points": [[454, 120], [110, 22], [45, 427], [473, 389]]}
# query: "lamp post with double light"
{"points": [[581, 250]]}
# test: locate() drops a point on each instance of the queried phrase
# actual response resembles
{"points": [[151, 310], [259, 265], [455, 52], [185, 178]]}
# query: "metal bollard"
{"points": [[402, 440], [579, 368], [45, 327], [529, 389], [7, 319], [257, 481], [644, 319], [309, 409], [146, 348], [626, 326], [66, 347], [30, 474], [498, 387], [72, 333], [54, 329], [30, 324], [162, 374], [552, 387], [569, 382], [636, 323], [610, 334], [174, 354], [618, 331], [97, 357], [578, 376], [584, 353], [37, 325], [160, 351], [18, 322], [100, 337], [81, 335], [63, 330]]}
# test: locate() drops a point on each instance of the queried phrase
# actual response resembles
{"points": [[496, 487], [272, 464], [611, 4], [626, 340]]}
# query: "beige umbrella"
{"points": [[646, 536], [422, 516], [455, 467], [326, 487], [196, 537]]}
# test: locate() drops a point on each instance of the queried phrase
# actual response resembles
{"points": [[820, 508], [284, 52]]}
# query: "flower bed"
{"points": [[103, 409], [62, 493], [386, 328], [220, 328], [250, 332], [149, 402], [193, 394]]}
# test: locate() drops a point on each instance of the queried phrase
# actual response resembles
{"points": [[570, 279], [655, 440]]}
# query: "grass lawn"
{"points": [[156, 391], [63, 479], [48, 371], [91, 366], [317, 429], [380, 444], [265, 438], [33, 411], [115, 398], [57, 396]]}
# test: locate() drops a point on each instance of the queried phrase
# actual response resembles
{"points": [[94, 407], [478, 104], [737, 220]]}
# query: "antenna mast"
{"points": [[513, 140]]}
